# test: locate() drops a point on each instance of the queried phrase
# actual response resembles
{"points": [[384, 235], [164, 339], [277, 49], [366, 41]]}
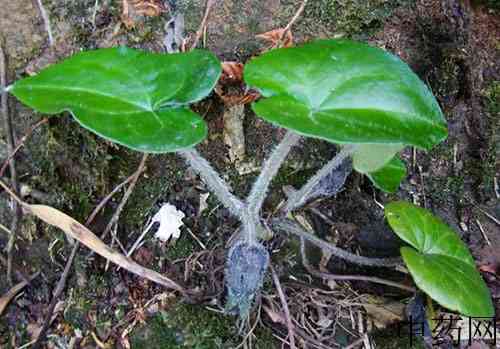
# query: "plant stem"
{"points": [[290, 226], [299, 197], [269, 170], [214, 182], [335, 277]]}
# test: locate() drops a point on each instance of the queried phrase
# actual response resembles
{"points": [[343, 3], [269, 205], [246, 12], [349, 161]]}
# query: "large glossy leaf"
{"points": [[345, 92], [389, 176], [137, 99], [440, 262]]}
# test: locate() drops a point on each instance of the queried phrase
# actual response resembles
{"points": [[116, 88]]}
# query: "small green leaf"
{"points": [[134, 98], [441, 263], [345, 92], [372, 157], [390, 176]]}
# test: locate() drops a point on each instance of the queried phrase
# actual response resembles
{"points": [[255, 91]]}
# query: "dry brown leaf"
{"points": [[231, 88], [79, 232], [7, 298], [383, 312], [232, 71], [277, 38], [133, 8]]}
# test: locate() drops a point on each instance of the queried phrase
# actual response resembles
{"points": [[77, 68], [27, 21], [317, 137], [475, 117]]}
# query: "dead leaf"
{"points": [[231, 88], [383, 312], [232, 71], [6, 298], [133, 8], [81, 233], [277, 38]]}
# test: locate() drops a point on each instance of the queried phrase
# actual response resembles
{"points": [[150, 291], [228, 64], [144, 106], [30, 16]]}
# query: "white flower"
{"points": [[170, 219]]}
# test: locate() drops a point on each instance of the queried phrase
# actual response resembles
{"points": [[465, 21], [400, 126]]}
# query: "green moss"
{"points": [[189, 326], [358, 18], [182, 248], [489, 168]]}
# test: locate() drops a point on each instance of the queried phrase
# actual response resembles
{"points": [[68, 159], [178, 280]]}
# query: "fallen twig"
{"points": [[10, 147], [20, 143], [46, 22], [284, 304], [203, 24], [6, 298], [295, 17], [127, 194]]}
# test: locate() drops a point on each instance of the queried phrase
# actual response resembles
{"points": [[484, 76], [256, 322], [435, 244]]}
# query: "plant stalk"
{"points": [[260, 188], [215, 183], [269, 170], [290, 226], [299, 197]]}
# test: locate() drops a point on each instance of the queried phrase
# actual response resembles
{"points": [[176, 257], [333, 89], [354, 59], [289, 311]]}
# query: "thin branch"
{"points": [[214, 182], [295, 17], [299, 197], [129, 191], [290, 226], [12, 166], [62, 280], [284, 304], [327, 276], [46, 22], [203, 23], [57, 292], [20, 143]]}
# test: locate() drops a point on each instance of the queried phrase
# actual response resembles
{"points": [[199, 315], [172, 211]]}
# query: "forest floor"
{"points": [[454, 46]]}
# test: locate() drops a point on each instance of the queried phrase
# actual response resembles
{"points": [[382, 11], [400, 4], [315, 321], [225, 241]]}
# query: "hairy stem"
{"points": [[269, 170], [299, 197], [214, 182], [290, 226], [335, 277]]}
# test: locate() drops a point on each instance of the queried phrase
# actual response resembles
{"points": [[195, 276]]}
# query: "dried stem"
{"points": [[284, 304], [327, 276], [12, 166], [203, 24], [290, 226], [295, 17], [214, 182], [299, 197], [46, 22], [129, 191]]}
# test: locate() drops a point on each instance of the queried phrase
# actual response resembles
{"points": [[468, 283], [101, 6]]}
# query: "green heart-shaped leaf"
{"points": [[440, 264], [345, 92], [389, 176], [134, 98]]}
